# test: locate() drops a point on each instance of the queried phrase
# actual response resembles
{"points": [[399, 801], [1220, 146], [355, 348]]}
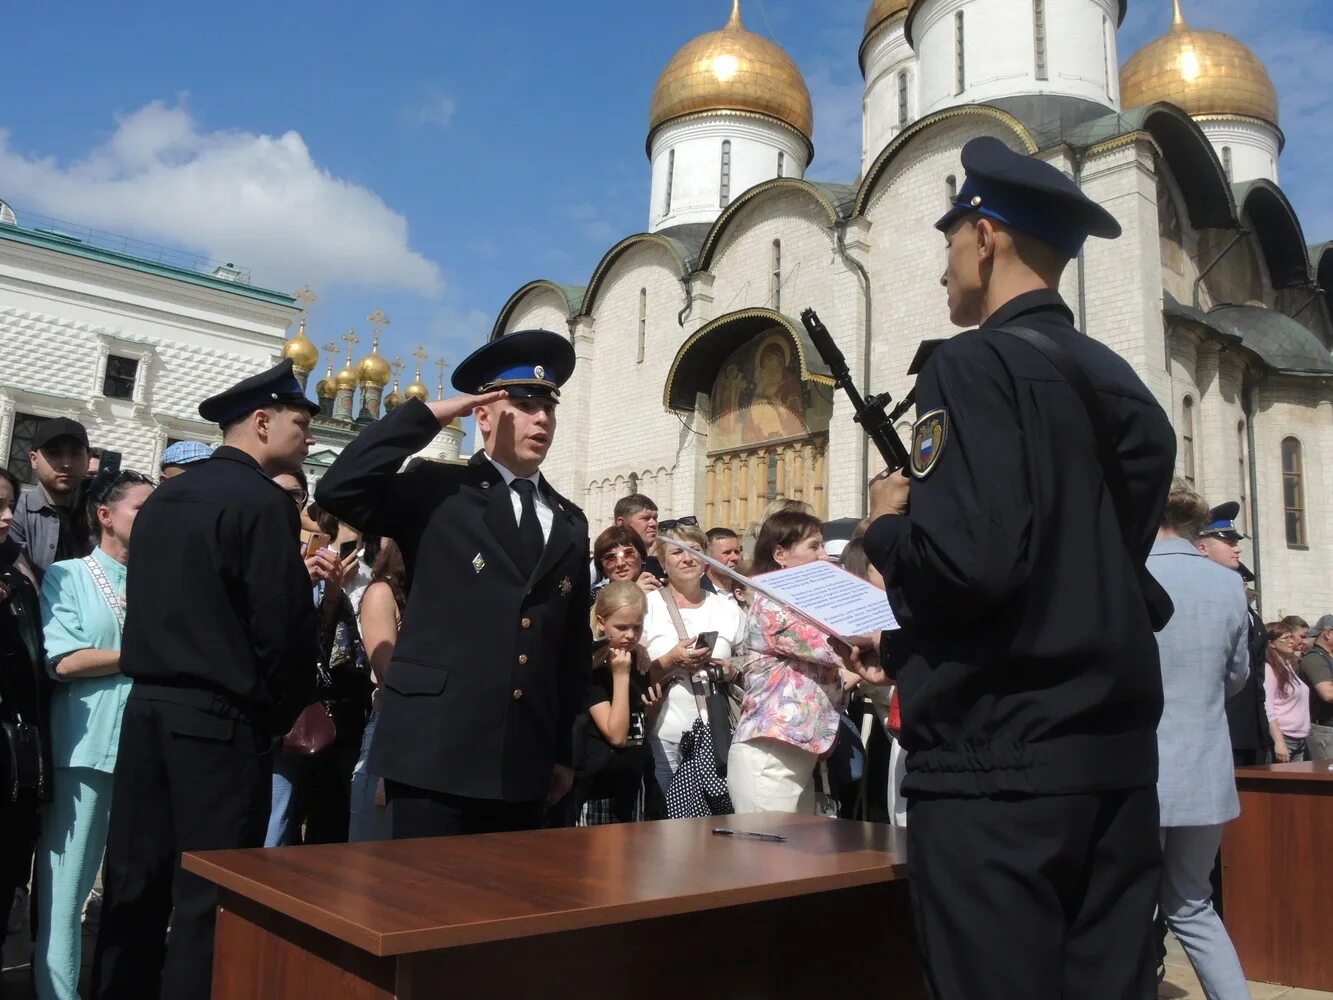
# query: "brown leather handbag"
{"points": [[314, 731]]}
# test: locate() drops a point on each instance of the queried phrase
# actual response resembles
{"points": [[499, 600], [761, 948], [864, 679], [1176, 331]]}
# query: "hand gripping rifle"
{"points": [[870, 413]]}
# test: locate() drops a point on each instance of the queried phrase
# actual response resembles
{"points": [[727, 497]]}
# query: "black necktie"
{"points": [[529, 528]]}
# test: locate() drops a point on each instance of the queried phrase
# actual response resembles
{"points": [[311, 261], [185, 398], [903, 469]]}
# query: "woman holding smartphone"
{"points": [[676, 660]]}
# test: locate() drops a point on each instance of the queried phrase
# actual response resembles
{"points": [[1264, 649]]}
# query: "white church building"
{"points": [[697, 385]]}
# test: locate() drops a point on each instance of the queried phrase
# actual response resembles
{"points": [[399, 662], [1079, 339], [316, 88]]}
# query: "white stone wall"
{"points": [[887, 56], [62, 315], [696, 177], [1295, 580], [999, 46], [1250, 146], [543, 308]]}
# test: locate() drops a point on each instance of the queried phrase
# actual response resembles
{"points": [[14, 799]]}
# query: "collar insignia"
{"points": [[566, 587], [929, 436], [478, 563]]}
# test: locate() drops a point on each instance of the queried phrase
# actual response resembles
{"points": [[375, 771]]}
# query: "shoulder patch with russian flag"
{"points": [[929, 436]]}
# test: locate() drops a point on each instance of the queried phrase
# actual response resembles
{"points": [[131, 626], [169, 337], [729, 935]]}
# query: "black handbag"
{"points": [[1155, 597], [25, 768]]}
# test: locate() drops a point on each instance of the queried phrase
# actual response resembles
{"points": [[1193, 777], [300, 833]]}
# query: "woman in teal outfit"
{"points": [[83, 614]]}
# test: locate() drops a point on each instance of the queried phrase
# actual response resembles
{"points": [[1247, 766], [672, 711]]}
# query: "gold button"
{"points": [[518, 693], [527, 623], [522, 659]]}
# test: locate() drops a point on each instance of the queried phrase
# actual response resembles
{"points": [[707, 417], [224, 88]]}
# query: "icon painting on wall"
{"points": [[759, 397]]}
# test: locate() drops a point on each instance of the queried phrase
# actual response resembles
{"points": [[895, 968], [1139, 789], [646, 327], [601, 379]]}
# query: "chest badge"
{"points": [[929, 436], [566, 587], [478, 563]]}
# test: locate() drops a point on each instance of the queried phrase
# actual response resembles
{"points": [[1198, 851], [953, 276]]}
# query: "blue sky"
{"points": [[428, 158]]}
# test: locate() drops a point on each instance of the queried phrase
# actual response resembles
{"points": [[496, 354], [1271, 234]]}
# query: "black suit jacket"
{"points": [[491, 663]]}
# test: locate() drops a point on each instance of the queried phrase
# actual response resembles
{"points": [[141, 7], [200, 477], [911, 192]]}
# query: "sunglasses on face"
{"points": [[619, 555], [680, 522]]}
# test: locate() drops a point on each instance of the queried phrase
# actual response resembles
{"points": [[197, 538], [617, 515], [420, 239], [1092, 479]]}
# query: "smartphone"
{"points": [[347, 548], [706, 640], [312, 542], [109, 465]]}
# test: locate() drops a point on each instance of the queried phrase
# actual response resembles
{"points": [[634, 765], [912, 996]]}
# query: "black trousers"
{"points": [[420, 812], [188, 778], [1044, 896]]}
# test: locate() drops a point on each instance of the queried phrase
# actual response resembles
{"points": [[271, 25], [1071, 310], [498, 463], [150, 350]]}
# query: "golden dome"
{"points": [[304, 354], [732, 69], [417, 390], [881, 11], [346, 379], [1202, 72], [326, 389], [393, 400], [373, 369]]}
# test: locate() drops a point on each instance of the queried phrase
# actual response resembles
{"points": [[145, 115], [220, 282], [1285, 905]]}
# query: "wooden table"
{"points": [[662, 909], [1276, 873]]}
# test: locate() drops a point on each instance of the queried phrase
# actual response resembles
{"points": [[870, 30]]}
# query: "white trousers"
{"points": [[771, 776], [1187, 859]]}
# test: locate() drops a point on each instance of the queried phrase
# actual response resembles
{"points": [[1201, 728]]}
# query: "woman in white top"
{"points": [[674, 659]]}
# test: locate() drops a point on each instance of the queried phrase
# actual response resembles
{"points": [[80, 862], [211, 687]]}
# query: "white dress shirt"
{"points": [[545, 515]]}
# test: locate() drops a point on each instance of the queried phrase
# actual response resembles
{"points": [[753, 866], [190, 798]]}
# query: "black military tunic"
{"points": [[220, 639], [491, 667], [1027, 666]]}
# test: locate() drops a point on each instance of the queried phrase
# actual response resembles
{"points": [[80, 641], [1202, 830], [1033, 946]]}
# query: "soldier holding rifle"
{"points": [[1039, 467]]}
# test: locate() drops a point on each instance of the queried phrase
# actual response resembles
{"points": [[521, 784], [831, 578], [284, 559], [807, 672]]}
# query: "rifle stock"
{"points": [[870, 413]]}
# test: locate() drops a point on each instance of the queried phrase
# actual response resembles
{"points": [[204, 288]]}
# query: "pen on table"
{"points": [[775, 838]]}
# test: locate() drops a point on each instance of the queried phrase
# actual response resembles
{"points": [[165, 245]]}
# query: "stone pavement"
{"points": [[1182, 984]]}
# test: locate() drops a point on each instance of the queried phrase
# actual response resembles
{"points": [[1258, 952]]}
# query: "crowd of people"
{"points": [[217, 659]]}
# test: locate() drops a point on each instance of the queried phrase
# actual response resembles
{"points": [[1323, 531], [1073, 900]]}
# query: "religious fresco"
{"points": [[759, 397]]}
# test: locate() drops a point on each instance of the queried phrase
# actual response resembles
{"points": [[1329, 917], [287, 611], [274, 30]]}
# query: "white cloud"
{"points": [[259, 200]]}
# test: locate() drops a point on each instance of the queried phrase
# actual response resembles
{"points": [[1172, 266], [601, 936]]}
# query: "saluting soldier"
{"points": [[1026, 660], [220, 640], [478, 706]]}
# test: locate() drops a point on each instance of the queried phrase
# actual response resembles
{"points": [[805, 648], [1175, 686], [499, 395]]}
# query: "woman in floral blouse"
{"points": [[793, 685]]}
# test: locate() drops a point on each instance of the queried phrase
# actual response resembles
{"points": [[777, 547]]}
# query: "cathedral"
{"points": [[697, 385]]}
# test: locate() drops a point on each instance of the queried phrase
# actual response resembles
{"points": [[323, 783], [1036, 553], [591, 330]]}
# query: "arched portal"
{"points": [[769, 399]]}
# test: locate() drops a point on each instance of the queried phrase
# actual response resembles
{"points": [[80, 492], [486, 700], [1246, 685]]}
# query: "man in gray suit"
{"points": [[1317, 672], [1205, 660]]}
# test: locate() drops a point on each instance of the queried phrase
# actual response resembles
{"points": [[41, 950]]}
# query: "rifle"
{"points": [[870, 413]]}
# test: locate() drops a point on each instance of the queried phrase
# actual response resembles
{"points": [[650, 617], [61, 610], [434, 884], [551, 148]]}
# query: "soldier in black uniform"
{"points": [[478, 707], [1247, 717], [220, 640], [1026, 659]]}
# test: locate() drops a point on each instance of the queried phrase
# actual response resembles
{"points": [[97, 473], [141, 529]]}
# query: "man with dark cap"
{"points": [[1251, 737], [478, 707], [49, 521], [1026, 659], [220, 641]]}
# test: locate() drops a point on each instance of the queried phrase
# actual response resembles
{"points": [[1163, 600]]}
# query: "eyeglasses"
{"points": [[297, 494], [680, 522], [626, 554]]}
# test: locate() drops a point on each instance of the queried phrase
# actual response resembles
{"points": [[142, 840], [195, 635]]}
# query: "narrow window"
{"points": [[1039, 37], [119, 380], [726, 173], [671, 179], [1293, 492], [1226, 161], [1243, 462], [960, 73], [775, 279], [782, 164], [643, 321], [771, 491], [1187, 440], [20, 447], [902, 98], [950, 190], [633, 483]]}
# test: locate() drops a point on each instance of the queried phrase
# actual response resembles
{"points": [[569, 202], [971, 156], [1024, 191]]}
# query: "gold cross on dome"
{"points": [[307, 297], [351, 340], [442, 365], [331, 348], [397, 365], [378, 321], [422, 357]]}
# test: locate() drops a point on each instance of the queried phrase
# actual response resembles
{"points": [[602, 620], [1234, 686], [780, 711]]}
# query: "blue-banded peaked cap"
{"points": [[277, 386], [1028, 195], [527, 364], [1222, 521]]}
